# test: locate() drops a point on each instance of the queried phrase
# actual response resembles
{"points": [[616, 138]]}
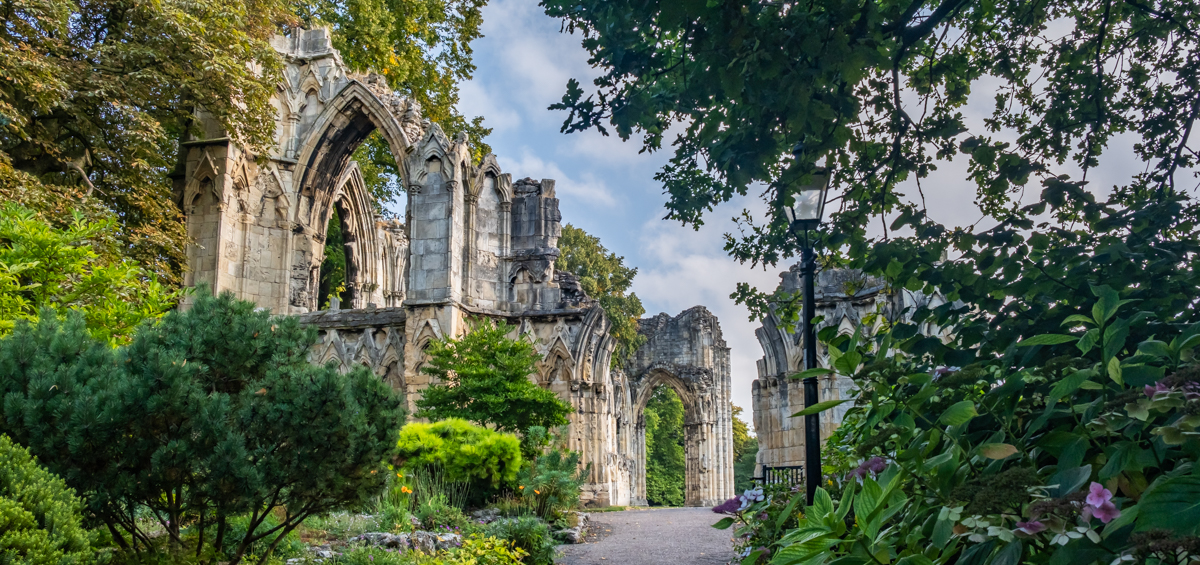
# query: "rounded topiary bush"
{"points": [[40, 518]]}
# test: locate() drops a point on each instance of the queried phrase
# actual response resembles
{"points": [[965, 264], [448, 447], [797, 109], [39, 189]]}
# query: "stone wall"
{"points": [[847, 300], [473, 244]]}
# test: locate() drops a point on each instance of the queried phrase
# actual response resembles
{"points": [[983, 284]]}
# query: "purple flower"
{"points": [[1157, 388], [1098, 495], [728, 507], [874, 465], [1031, 527], [1107, 512], [1099, 504]]}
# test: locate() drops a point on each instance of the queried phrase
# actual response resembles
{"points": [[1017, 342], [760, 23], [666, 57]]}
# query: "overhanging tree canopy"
{"points": [[877, 89]]}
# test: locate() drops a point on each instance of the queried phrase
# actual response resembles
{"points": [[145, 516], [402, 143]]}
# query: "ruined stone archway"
{"points": [[326, 178], [688, 354]]}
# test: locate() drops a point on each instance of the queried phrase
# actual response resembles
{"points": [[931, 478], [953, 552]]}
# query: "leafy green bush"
{"points": [[552, 480], [209, 414], [40, 518], [460, 450], [1089, 458], [481, 550], [238, 526], [76, 268], [483, 377], [529, 534]]}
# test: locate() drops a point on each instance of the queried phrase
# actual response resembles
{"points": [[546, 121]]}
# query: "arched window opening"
{"points": [[337, 269], [381, 176]]}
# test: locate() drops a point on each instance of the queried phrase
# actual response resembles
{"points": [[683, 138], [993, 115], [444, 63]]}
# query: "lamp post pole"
{"points": [[812, 424], [803, 211]]}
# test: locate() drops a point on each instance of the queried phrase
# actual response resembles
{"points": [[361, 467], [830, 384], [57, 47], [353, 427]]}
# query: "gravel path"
{"points": [[652, 537]]}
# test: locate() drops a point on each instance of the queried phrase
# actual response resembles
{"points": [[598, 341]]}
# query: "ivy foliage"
{"points": [[78, 268], [1082, 458], [210, 413], [604, 277], [764, 92], [96, 94], [483, 377], [460, 451], [41, 520]]}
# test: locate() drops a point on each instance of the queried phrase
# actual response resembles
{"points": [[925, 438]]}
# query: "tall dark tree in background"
{"points": [[876, 90], [604, 276]]}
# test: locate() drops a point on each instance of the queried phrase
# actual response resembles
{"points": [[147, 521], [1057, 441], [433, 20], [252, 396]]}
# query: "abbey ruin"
{"points": [[474, 242]]}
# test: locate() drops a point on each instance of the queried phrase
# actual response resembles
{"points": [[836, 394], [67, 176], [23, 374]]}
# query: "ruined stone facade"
{"points": [[473, 243], [846, 299]]}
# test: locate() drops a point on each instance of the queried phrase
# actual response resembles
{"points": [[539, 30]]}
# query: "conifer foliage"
{"points": [[40, 519], [210, 413]]}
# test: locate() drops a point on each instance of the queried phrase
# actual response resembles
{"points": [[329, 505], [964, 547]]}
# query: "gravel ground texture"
{"points": [[651, 537]]}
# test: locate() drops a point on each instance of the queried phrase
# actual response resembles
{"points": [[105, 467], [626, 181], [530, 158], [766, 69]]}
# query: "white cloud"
{"points": [[586, 189], [680, 268]]}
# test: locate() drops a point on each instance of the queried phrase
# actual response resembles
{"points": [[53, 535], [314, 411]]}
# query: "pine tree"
{"points": [[210, 413]]}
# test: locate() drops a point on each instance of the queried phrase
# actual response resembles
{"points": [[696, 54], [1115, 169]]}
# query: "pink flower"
{"points": [[1098, 495], [1031, 527], [1099, 504], [1106, 512]]}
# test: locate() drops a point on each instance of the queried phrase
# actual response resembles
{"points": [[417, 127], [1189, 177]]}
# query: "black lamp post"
{"points": [[804, 216]]}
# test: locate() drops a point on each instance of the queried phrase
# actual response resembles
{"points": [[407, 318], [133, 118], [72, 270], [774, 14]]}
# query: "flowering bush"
{"points": [[1084, 458]]}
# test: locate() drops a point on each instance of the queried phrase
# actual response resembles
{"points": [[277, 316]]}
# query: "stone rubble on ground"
{"points": [[575, 534]]}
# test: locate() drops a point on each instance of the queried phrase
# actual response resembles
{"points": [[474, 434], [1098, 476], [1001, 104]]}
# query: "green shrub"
{"points": [[460, 451], [211, 413], [552, 480], [483, 377], [530, 534], [237, 527], [1088, 458], [40, 518], [481, 550]]}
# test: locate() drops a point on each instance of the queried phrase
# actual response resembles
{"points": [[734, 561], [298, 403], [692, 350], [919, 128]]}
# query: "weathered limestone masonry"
{"points": [[688, 354], [473, 243], [847, 300]]}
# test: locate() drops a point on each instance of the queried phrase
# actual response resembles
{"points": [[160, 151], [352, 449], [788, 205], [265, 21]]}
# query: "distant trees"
{"points": [[210, 413], [483, 377], [604, 277], [665, 463]]}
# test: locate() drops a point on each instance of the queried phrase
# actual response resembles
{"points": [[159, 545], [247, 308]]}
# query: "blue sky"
{"points": [[607, 188]]}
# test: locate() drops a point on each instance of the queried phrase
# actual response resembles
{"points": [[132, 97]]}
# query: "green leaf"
{"points": [[1155, 348], [814, 372], [1047, 339], [1009, 554], [821, 407], [1076, 319], [997, 450], [1069, 385], [723, 523], [977, 555], [1067, 481], [1173, 505], [958, 414], [1114, 370], [1088, 341]]}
